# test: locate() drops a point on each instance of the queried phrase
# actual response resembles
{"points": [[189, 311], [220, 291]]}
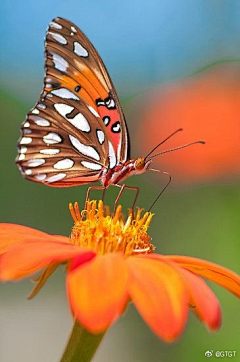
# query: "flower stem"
{"points": [[81, 345]]}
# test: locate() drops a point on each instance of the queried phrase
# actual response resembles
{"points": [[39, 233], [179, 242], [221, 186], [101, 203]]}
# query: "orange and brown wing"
{"points": [[77, 127]]}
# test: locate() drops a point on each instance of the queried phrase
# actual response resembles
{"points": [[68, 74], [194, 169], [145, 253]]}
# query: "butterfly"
{"points": [[76, 134]]}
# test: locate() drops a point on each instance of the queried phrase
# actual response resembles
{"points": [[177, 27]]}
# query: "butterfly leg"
{"points": [[121, 191], [94, 188], [103, 194]]}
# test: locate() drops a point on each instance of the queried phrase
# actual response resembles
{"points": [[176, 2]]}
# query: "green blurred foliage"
{"points": [[201, 222]]}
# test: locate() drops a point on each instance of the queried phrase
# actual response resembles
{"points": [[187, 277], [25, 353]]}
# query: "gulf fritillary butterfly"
{"points": [[76, 134]]}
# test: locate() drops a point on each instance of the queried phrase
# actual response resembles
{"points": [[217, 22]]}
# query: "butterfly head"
{"points": [[142, 164]]}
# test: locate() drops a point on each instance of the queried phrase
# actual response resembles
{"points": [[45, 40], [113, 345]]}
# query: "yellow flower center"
{"points": [[96, 229]]}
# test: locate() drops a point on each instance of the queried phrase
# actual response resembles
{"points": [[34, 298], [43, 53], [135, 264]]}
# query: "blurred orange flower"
{"points": [[206, 107], [111, 262]]}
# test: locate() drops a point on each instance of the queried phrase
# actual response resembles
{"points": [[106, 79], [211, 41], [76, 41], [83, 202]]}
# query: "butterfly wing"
{"points": [[77, 128]]}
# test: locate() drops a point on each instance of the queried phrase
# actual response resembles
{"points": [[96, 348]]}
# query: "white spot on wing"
{"points": [[63, 109], [26, 124], [116, 128], [100, 102], [79, 121], [52, 138], [65, 93], [100, 136], [111, 103], [41, 106], [112, 156], [35, 111], [93, 111], [73, 29], [35, 162], [106, 120], [64, 164], [50, 151], [58, 37], [57, 177], [80, 50], [28, 172], [60, 63], [25, 140], [91, 165], [23, 149], [52, 24], [42, 122], [21, 157], [85, 150], [41, 177], [26, 131]]}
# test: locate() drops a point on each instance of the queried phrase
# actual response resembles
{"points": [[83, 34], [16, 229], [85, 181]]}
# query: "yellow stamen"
{"points": [[77, 212], [96, 229], [72, 212]]}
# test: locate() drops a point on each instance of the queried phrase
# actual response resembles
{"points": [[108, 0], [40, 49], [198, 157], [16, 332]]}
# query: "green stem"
{"points": [[81, 345]]}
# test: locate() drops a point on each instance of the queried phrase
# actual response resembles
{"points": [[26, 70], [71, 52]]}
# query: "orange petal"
{"points": [[28, 257], [12, 234], [159, 294], [97, 291], [203, 299], [218, 274]]}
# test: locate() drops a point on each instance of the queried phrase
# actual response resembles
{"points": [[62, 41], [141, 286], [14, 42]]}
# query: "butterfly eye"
{"points": [[139, 164]]}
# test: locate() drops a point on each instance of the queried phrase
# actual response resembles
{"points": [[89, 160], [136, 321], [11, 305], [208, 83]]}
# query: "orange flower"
{"points": [[110, 262]]}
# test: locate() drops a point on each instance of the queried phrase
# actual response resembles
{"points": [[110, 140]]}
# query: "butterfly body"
{"points": [[121, 172]]}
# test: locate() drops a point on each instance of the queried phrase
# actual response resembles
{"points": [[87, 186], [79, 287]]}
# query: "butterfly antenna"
{"points": [[178, 130], [178, 148], [162, 191]]}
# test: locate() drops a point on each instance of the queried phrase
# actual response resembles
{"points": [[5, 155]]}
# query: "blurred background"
{"points": [[174, 64]]}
